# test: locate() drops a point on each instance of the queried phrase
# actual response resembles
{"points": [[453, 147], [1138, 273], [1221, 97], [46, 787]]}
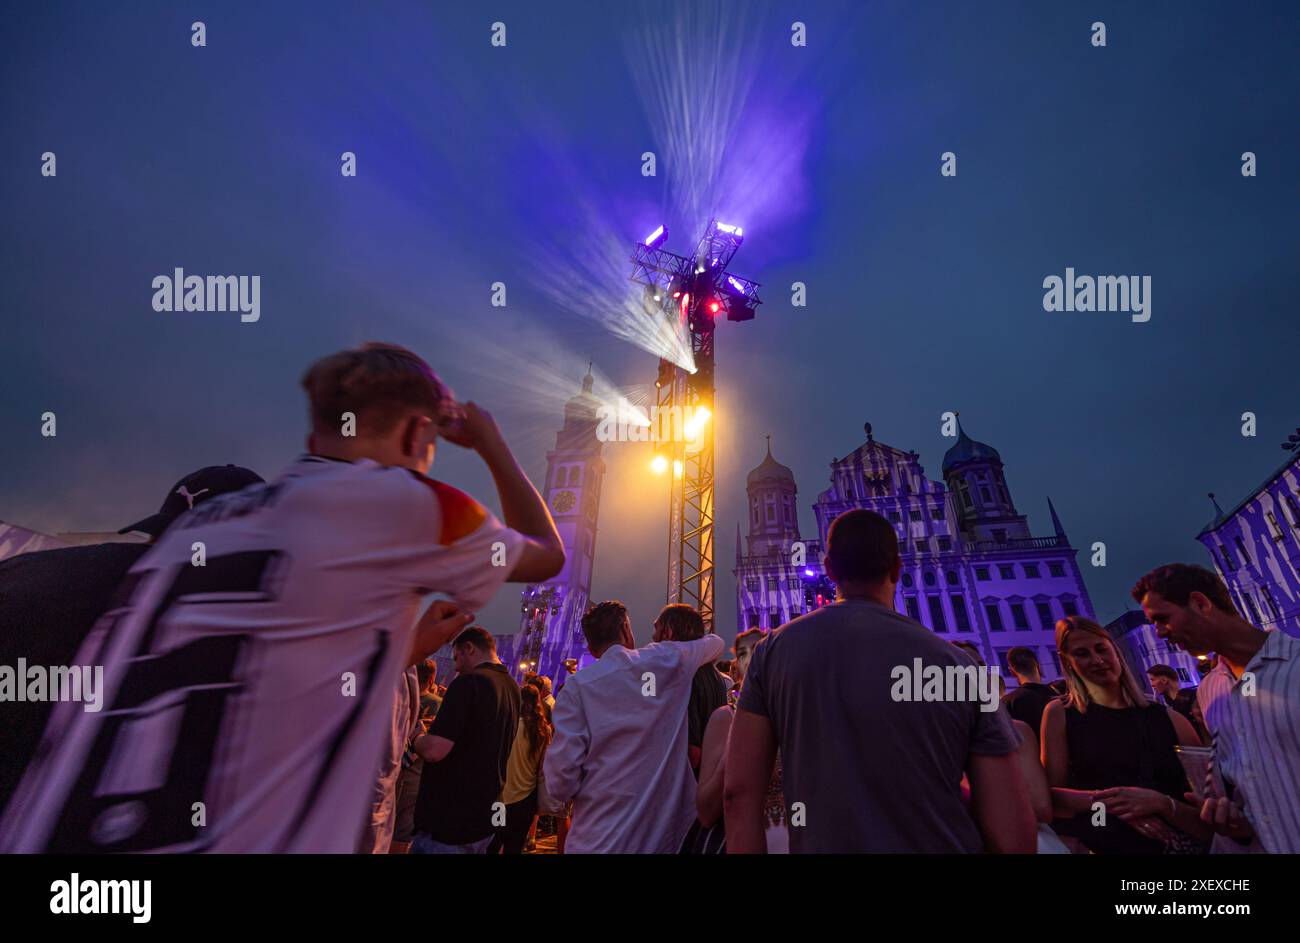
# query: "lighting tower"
{"points": [[692, 293]]}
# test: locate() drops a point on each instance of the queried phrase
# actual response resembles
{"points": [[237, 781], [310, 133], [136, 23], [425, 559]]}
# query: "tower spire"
{"points": [[588, 379], [1056, 521]]}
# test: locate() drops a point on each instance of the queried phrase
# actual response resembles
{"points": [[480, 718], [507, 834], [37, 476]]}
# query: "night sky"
{"points": [[523, 165]]}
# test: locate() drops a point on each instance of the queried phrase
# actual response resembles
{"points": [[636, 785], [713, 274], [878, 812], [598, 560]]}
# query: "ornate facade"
{"points": [[1256, 549], [972, 569]]}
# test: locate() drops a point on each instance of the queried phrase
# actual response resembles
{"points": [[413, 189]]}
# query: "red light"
{"points": [[677, 294], [713, 307]]}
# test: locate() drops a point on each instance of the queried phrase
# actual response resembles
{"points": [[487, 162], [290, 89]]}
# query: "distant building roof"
{"points": [[1221, 516], [769, 469], [969, 450]]}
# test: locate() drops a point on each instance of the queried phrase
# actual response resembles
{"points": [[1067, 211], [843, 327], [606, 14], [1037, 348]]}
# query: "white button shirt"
{"points": [[619, 750], [1257, 740]]}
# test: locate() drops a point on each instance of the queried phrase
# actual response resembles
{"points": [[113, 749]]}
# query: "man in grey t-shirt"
{"points": [[873, 759]]}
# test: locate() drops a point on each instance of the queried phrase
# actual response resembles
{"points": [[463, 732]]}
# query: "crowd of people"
{"points": [[268, 686]]}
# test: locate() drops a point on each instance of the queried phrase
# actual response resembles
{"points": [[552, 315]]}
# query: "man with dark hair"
{"points": [[619, 751], [291, 637], [50, 600], [1027, 702], [679, 622], [1250, 702], [1164, 681], [465, 751], [874, 772]]}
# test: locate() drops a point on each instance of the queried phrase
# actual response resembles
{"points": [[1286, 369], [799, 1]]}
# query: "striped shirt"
{"points": [[1257, 739]]}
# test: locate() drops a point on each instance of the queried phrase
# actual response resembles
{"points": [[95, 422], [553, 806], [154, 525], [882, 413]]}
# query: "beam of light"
{"points": [[659, 464], [732, 136], [583, 269]]}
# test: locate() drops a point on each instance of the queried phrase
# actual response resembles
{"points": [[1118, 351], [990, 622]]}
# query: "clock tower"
{"points": [[550, 628]]}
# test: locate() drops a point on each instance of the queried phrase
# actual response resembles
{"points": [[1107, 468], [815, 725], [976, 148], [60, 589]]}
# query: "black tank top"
{"points": [[1128, 746]]}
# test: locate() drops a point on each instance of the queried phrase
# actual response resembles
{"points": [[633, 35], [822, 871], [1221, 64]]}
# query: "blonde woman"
{"points": [[1117, 785]]}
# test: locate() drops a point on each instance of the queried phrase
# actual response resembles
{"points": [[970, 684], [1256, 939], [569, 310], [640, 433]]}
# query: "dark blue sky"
{"points": [[478, 164]]}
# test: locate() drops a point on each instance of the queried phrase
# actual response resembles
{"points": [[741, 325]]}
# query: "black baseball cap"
{"points": [[193, 489]]}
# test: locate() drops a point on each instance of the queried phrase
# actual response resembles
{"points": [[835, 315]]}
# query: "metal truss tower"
{"points": [[692, 293]]}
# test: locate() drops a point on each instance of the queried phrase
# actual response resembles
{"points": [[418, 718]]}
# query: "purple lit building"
{"points": [[1141, 647], [1256, 549], [972, 570]]}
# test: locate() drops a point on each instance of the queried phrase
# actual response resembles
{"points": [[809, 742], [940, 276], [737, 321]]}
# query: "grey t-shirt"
{"points": [[873, 774]]}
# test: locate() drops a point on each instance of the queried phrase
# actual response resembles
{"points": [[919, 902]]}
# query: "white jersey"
{"points": [[245, 699]]}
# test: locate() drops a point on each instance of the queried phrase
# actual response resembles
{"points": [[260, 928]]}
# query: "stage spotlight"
{"points": [[659, 464], [696, 422], [713, 306], [732, 231], [677, 469], [740, 312], [666, 370], [656, 238]]}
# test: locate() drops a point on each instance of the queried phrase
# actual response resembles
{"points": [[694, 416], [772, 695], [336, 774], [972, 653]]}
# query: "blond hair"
{"points": [[379, 383], [1130, 690]]}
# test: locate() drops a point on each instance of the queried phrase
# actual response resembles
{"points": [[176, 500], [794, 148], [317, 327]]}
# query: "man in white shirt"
{"points": [[619, 751], [1251, 705], [250, 675]]}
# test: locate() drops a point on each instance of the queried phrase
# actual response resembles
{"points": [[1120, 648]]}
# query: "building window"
{"points": [[964, 490], [951, 576], [1272, 522], [1182, 674], [1000, 535], [936, 614], [936, 514], [923, 546], [985, 495], [1067, 604], [908, 580], [929, 579], [575, 475], [960, 617], [1045, 614], [914, 515], [1018, 616], [1270, 602], [1241, 545], [945, 544], [1031, 571], [752, 618], [771, 509], [1230, 565], [1056, 569], [994, 616], [1006, 572], [913, 609], [751, 583], [776, 618], [982, 573], [1295, 511], [1250, 605], [895, 517]]}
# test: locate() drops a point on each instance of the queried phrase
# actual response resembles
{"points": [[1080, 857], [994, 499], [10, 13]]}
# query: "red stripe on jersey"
{"points": [[461, 514]]}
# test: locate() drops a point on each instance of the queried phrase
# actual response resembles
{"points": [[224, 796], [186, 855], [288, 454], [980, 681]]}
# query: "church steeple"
{"points": [[551, 631], [773, 514]]}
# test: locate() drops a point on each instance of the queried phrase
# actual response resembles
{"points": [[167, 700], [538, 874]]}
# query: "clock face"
{"points": [[563, 502]]}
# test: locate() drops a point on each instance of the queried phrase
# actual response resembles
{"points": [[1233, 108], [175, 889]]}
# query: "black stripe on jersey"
{"points": [[340, 738]]}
